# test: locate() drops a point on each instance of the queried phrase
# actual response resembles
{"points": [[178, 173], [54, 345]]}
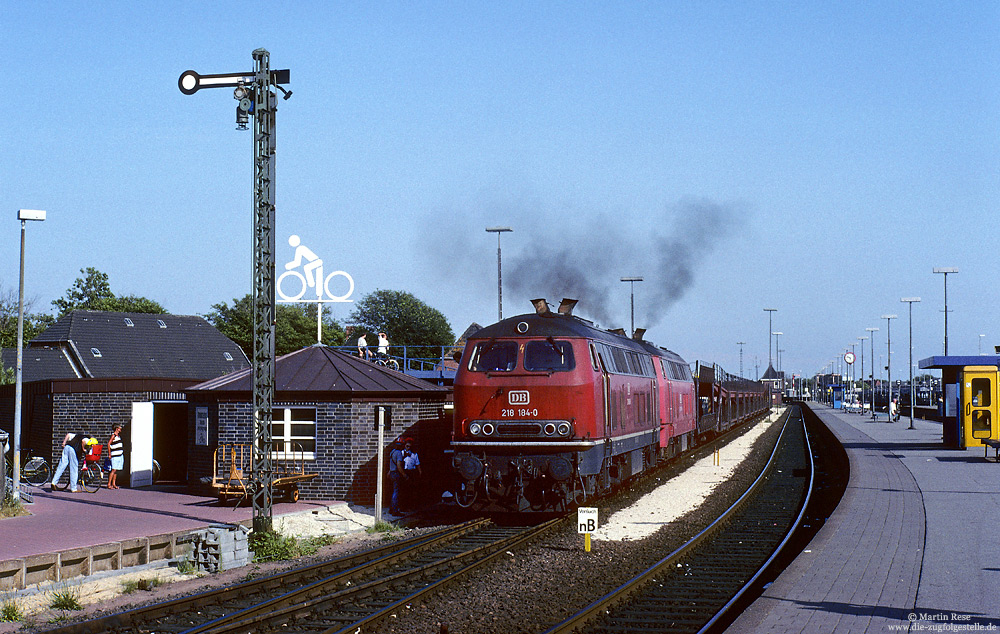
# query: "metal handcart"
{"points": [[233, 477]]}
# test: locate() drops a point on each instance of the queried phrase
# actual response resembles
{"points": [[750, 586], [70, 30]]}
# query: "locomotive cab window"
{"points": [[548, 356], [494, 356]]}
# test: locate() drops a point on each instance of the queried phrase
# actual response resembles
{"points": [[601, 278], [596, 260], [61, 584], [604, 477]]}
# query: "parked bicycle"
{"points": [[386, 361], [34, 469]]}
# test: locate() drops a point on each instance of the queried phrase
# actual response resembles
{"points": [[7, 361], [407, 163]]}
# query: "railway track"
{"points": [[701, 584], [338, 595]]}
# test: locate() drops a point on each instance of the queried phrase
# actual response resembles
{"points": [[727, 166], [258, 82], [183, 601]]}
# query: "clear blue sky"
{"points": [[816, 158]]}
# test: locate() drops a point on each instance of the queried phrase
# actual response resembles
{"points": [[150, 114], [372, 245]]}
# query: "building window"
{"points": [[161, 323], [129, 323], [95, 352], [293, 433], [227, 356]]}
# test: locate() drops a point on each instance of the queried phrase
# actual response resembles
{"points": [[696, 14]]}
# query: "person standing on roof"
{"points": [[71, 454], [383, 345]]}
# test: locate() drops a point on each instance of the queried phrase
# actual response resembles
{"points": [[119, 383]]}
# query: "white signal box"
{"points": [[586, 520]]}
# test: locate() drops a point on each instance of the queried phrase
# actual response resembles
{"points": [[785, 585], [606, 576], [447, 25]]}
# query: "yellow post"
{"points": [[716, 460], [586, 542]]}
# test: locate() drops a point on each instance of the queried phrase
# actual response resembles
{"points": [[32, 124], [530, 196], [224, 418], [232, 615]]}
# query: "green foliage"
{"points": [[93, 292], [405, 319], [184, 566], [131, 585], [10, 610], [295, 327], [382, 526], [271, 546], [34, 323], [66, 599]]}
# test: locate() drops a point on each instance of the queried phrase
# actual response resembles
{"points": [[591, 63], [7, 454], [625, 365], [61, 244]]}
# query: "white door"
{"points": [[141, 457]]}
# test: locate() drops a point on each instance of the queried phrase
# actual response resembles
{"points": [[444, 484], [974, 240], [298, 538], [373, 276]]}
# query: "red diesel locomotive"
{"points": [[551, 410]]}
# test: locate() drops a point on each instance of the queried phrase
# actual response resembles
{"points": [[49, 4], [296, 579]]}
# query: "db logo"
{"points": [[518, 397]]}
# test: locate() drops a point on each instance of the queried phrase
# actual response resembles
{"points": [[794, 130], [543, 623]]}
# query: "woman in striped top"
{"points": [[116, 451]]}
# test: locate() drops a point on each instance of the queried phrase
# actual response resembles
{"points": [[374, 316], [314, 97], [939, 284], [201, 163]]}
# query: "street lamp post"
{"points": [[498, 231], [945, 272], [861, 401], [23, 215], [631, 284], [888, 354], [910, 301], [871, 332], [770, 313]]}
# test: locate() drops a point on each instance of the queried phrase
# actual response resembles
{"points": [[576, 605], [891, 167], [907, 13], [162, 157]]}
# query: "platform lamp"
{"points": [[945, 272], [871, 333], [770, 313], [910, 301], [23, 215], [498, 231], [862, 400], [631, 285], [888, 354]]}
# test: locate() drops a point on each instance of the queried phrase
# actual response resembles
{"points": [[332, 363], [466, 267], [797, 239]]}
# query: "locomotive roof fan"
{"points": [[566, 306], [639, 334], [541, 307]]}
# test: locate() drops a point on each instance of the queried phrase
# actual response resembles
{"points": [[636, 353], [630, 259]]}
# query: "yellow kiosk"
{"points": [[979, 404], [969, 407]]}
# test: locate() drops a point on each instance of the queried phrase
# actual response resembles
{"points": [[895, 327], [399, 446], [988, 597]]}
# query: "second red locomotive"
{"points": [[551, 410]]}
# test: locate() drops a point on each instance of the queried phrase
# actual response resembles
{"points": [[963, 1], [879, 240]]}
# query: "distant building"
{"points": [[775, 381]]}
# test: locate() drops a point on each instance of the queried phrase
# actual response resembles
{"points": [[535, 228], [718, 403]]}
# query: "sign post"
{"points": [[586, 522], [383, 417]]}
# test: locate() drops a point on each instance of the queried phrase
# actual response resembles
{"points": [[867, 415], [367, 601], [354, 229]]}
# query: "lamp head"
{"points": [[30, 214]]}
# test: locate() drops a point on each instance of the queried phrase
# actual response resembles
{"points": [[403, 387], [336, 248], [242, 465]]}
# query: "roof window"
{"points": [[227, 356], [161, 323], [128, 322], [96, 352]]}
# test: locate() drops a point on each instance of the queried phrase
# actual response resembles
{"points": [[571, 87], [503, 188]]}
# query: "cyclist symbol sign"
{"points": [[311, 277]]}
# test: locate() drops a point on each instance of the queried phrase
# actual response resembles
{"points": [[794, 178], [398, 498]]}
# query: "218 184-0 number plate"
{"points": [[511, 411]]}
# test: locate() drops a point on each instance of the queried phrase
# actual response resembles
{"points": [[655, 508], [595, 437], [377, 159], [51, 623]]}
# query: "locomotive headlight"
{"points": [[488, 429], [475, 429], [565, 429], [549, 429]]}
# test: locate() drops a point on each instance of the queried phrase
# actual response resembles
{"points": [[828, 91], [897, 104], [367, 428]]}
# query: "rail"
{"points": [[697, 598]]}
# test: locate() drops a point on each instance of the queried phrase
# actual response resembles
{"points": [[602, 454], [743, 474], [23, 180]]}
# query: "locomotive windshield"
{"points": [[548, 356], [494, 356]]}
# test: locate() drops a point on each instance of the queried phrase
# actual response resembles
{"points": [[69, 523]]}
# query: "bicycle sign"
{"points": [[311, 277]]}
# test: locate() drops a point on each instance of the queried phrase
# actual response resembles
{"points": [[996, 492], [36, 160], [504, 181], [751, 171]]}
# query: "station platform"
{"points": [[912, 546], [66, 526]]}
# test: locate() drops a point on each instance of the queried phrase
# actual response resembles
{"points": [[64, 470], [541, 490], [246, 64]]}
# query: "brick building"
{"points": [[92, 369], [324, 412]]}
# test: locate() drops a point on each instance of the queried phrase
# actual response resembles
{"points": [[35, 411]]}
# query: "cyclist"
{"points": [[72, 453]]}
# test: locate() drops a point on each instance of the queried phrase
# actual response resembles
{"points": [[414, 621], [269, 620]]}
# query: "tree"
{"points": [[93, 292], [295, 326], [34, 323], [406, 320]]}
